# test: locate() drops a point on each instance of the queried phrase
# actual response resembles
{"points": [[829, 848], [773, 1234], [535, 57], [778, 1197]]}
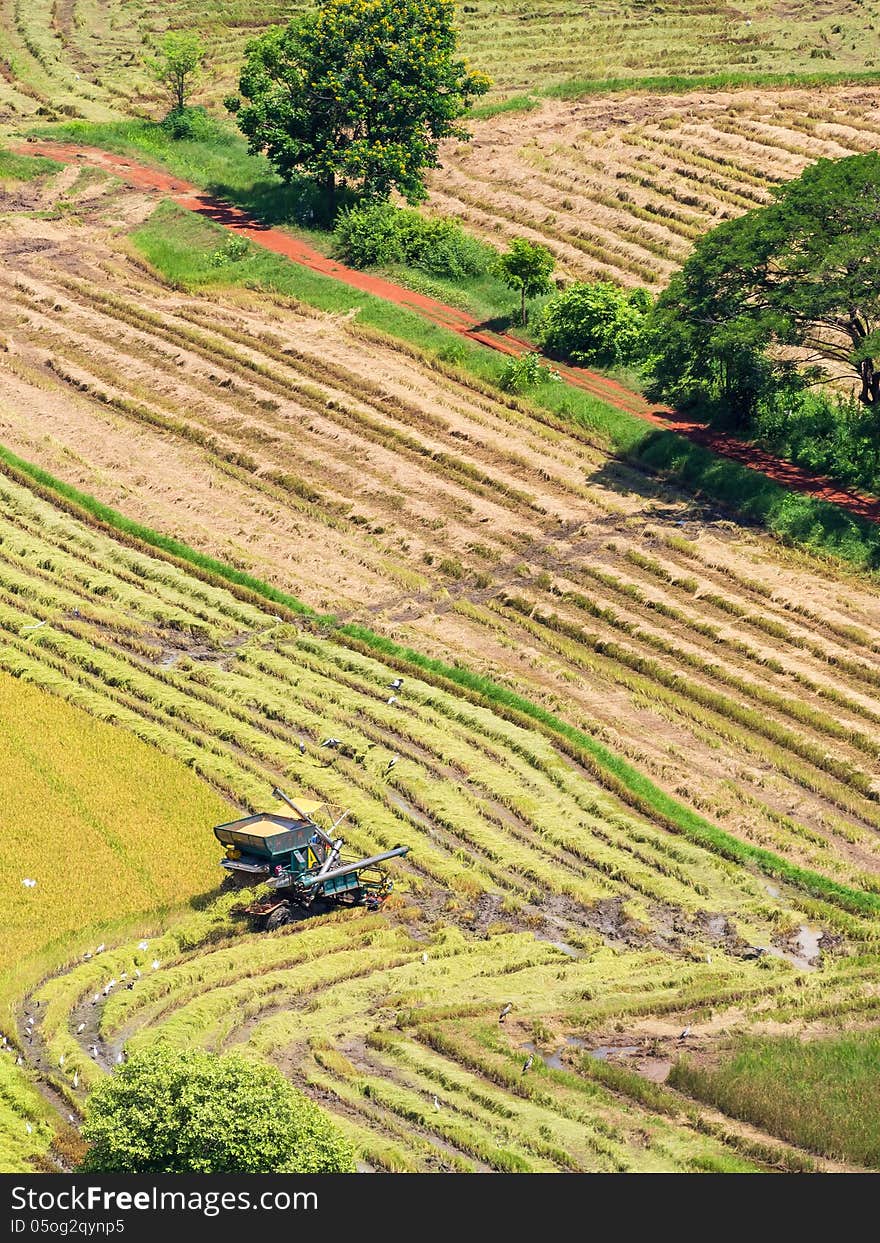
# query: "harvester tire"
{"points": [[278, 918]]}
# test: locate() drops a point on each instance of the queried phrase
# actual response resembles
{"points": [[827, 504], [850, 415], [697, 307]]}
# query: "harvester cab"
{"points": [[300, 862]]}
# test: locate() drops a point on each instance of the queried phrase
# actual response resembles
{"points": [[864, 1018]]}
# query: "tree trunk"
{"points": [[870, 376], [330, 195], [524, 306], [180, 91]]}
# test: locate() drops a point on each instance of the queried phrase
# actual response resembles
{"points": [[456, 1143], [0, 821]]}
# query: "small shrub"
{"points": [[190, 123], [233, 251], [526, 371], [381, 235], [596, 323]]}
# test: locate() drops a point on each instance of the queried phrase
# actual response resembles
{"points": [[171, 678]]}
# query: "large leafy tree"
{"points": [[361, 90], [171, 1112], [801, 272]]}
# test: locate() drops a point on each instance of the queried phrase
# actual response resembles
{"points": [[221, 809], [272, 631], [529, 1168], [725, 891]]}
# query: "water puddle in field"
{"points": [[603, 1052], [554, 1059], [808, 941], [809, 951], [654, 1068]]}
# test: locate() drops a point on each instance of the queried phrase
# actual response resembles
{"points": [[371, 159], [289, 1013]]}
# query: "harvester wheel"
{"points": [[278, 918]]}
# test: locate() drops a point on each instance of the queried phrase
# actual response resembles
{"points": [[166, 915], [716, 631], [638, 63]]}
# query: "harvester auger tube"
{"points": [[308, 881]]}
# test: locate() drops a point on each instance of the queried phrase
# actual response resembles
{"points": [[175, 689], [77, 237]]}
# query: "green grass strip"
{"points": [[672, 84], [679, 83], [25, 167], [614, 773]]}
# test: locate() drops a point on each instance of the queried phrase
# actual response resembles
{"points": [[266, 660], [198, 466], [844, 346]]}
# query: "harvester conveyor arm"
{"points": [[309, 881]]}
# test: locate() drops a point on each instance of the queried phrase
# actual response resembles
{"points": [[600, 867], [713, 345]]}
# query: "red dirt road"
{"points": [[237, 221]]}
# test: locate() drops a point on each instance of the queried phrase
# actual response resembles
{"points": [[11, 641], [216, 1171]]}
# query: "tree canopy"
{"points": [[801, 272], [362, 90], [172, 1111], [178, 64], [527, 267]]}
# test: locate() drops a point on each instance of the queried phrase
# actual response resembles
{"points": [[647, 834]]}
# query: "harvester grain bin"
{"points": [[300, 862]]}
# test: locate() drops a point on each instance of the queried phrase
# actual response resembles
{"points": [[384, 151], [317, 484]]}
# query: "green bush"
{"points": [[191, 123], [822, 432], [526, 371], [381, 235], [597, 323], [233, 251], [186, 1111]]}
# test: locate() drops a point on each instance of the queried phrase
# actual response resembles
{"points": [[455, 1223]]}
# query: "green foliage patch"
{"points": [[820, 1094], [378, 234], [594, 324], [172, 1112]]}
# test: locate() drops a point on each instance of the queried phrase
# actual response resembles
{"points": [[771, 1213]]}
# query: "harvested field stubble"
{"points": [[619, 187], [632, 743], [86, 59], [697, 659]]}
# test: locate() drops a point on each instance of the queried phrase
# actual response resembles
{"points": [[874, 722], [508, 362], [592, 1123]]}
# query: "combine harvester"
{"points": [[301, 862]]}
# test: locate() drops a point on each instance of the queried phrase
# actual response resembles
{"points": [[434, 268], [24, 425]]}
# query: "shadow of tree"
{"points": [[725, 490]]}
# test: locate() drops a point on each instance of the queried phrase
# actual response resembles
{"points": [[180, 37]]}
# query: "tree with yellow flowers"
{"points": [[360, 91]]}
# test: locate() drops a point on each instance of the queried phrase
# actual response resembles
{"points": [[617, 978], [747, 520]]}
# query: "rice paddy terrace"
{"points": [[620, 187], [85, 57], [611, 597], [692, 775], [698, 777], [530, 882]]}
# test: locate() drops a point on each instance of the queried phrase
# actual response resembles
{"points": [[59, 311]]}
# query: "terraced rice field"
{"points": [[393, 1025], [85, 57], [395, 1029], [231, 690], [620, 187], [507, 833], [739, 677]]}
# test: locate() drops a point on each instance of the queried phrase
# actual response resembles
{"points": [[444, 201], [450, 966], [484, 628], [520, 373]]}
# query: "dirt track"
{"points": [[232, 218]]}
